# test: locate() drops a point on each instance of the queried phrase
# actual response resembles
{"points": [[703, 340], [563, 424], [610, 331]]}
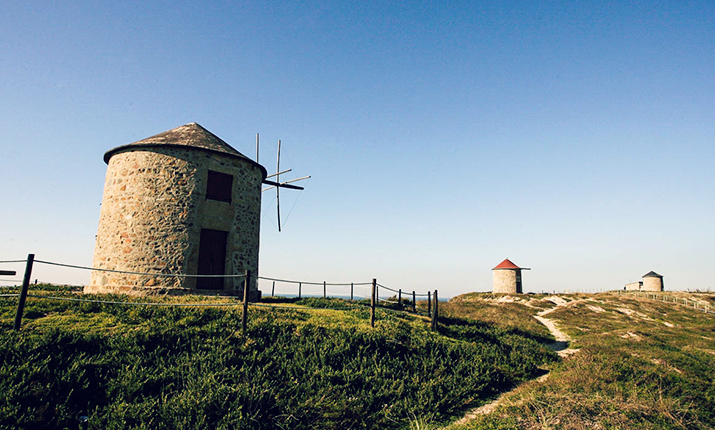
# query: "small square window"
{"points": [[218, 186]]}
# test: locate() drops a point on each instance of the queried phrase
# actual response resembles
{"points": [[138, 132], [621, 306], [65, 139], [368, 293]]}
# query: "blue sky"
{"points": [[576, 138]]}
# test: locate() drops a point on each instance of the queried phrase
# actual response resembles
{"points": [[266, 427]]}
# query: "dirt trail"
{"points": [[561, 346]]}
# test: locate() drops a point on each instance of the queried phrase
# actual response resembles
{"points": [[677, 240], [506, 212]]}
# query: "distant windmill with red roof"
{"points": [[507, 277]]}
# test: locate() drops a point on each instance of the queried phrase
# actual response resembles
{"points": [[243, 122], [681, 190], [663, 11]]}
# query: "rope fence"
{"points": [[170, 275], [374, 293], [669, 298]]}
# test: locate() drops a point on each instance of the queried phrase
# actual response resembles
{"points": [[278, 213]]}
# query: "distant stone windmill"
{"points": [[180, 202], [507, 278], [652, 282]]}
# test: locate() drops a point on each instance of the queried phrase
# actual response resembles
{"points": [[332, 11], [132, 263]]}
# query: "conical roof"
{"points": [[191, 135], [506, 264], [652, 274]]}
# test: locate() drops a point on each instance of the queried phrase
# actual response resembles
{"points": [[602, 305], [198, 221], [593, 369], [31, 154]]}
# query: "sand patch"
{"points": [[631, 335], [558, 301]]}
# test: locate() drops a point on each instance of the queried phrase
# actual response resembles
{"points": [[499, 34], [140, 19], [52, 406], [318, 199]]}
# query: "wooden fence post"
{"points": [[373, 302], [23, 292], [429, 303], [351, 291], [244, 317], [300, 287], [325, 290], [414, 302], [399, 298], [435, 312], [273, 289]]}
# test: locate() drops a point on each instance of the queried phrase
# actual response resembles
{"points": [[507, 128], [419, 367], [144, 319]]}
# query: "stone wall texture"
{"points": [[652, 283], [505, 281], [153, 209], [634, 286]]}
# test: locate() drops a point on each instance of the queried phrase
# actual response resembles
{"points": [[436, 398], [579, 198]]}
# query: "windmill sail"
{"points": [[277, 184]]}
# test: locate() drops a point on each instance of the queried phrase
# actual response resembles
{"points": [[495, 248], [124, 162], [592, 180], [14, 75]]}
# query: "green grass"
{"points": [[514, 317], [132, 367], [642, 364]]}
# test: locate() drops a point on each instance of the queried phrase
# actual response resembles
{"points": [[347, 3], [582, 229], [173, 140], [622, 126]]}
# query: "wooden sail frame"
{"points": [[277, 184]]}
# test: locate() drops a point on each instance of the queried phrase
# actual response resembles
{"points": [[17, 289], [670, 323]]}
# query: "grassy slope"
{"points": [[191, 368], [642, 365]]}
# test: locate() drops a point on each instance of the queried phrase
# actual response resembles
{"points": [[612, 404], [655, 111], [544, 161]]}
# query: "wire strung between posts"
{"points": [[170, 275], [10, 295], [69, 299], [387, 288], [312, 283], [261, 305], [404, 292], [177, 275]]}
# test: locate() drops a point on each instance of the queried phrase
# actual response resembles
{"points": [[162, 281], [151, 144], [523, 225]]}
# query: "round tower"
{"points": [[652, 282], [182, 202], [507, 278]]}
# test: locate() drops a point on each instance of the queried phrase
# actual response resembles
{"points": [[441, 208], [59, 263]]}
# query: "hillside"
{"points": [[636, 363], [631, 363], [133, 365]]}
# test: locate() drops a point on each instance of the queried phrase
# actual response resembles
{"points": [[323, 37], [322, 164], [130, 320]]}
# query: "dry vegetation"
{"points": [[641, 364]]}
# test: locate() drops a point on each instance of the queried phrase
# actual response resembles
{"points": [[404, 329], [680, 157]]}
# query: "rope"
{"points": [[175, 275], [405, 293], [684, 301], [10, 295], [387, 288], [292, 207], [284, 307], [68, 299], [312, 283], [388, 301]]}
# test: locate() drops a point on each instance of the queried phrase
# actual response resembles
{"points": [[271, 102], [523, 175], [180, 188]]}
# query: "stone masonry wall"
{"points": [[652, 283], [504, 281], [153, 209], [634, 286]]}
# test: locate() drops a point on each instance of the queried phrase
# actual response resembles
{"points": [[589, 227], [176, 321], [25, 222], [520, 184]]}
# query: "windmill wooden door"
{"points": [[212, 259]]}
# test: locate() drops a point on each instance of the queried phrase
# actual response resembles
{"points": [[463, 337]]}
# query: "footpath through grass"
{"points": [[131, 367], [642, 364]]}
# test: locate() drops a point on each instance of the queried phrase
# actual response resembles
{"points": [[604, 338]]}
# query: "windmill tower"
{"points": [[182, 202], [507, 278], [652, 282]]}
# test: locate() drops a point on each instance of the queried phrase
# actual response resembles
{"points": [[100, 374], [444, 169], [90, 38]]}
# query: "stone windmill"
{"points": [[507, 278], [180, 202], [652, 282]]}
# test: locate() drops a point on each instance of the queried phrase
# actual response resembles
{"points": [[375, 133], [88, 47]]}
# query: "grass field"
{"points": [[641, 364], [131, 367]]}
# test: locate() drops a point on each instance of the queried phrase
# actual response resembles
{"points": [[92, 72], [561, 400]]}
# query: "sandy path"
{"points": [[561, 346]]}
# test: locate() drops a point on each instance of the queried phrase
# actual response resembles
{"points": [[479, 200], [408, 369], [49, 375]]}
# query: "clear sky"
{"points": [[576, 138]]}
